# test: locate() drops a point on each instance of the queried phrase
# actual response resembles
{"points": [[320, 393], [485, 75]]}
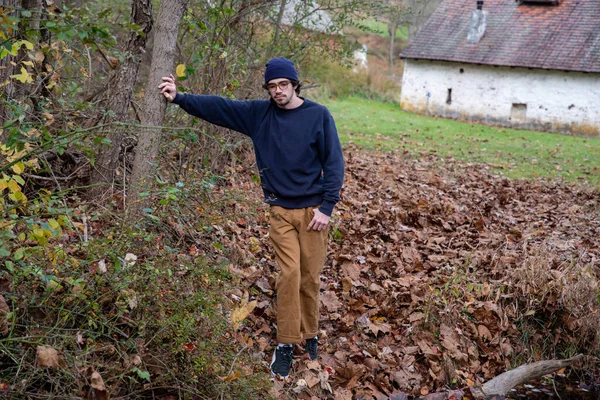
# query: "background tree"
{"points": [[397, 16], [119, 91], [420, 11], [153, 105]]}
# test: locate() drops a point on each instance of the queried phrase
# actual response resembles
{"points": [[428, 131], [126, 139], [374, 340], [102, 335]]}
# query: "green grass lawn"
{"points": [[381, 29], [514, 153]]}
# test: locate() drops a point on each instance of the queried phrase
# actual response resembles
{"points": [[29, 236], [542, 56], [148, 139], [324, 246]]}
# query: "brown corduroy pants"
{"points": [[300, 255]]}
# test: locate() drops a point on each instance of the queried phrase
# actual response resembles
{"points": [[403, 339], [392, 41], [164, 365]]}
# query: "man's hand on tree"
{"points": [[168, 87]]}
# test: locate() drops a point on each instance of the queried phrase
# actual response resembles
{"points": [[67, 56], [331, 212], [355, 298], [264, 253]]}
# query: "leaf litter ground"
{"points": [[440, 275]]}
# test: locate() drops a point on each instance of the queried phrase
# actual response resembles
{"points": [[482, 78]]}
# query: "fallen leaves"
{"points": [[419, 289]]}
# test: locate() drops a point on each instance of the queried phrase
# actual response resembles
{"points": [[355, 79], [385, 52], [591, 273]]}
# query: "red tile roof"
{"points": [[561, 37]]}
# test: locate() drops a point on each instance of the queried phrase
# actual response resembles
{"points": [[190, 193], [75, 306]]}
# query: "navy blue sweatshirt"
{"points": [[298, 152]]}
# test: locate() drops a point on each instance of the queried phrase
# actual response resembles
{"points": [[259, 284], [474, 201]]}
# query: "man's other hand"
{"points": [[319, 221]]}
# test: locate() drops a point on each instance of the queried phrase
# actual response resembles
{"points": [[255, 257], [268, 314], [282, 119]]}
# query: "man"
{"points": [[301, 168]]}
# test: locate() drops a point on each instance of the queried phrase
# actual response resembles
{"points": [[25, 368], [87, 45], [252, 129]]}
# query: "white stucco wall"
{"points": [[554, 101]]}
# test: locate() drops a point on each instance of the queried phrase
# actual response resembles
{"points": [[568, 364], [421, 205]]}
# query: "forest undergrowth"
{"points": [[440, 275]]}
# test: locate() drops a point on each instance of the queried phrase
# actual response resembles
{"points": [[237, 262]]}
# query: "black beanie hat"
{"points": [[280, 68]]}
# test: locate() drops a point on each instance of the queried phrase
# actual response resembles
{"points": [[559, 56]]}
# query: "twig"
{"points": [[85, 228], [555, 391], [124, 182], [231, 368], [135, 109], [89, 57], [45, 178], [110, 65]]}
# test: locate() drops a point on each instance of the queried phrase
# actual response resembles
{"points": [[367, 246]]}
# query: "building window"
{"points": [[518, 112], [449, 96]]}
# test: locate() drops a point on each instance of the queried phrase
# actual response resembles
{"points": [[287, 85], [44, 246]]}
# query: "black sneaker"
{"points": [[282, 361], [312, 348]]}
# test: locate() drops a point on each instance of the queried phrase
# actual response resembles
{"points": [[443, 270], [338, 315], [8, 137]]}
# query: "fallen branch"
{"points": [[504, 382], [498, 387]]}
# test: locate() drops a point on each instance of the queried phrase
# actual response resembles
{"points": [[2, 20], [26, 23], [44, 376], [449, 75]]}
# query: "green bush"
{"points": [[151, 325]]}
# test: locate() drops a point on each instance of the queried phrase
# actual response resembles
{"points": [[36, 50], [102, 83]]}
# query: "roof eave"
{"points": [[403, 57]]}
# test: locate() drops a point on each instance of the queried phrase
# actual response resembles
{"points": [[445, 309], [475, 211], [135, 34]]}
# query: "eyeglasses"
{"points": [[283, 85]]}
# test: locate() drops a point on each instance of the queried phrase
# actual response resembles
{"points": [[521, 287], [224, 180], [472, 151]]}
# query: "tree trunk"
{"points": [[118, 96], [392, 26], [153, 105], [278, 26], [6, 69], [27, 29]]}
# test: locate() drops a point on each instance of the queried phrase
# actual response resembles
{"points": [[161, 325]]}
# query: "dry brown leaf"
{"points": [[98, 391], [47, 357], [342, 394], [451, 342], [330, 301], [264, 286], [378, 325], [263, 343], [484, 332], [311, 379], [97, 382], [351, 270], [417, 316]]}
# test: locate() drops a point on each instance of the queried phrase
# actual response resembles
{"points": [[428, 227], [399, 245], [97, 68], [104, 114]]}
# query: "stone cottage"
{"points": [[532, 64]]}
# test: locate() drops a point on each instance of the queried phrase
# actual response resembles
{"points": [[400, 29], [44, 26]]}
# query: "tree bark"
{"points": [[279, 19], [153, 105], [118, 96], [6, 70], [27, 29]]}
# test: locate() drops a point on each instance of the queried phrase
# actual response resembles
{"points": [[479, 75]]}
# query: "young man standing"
{"points": [[299, 158]]}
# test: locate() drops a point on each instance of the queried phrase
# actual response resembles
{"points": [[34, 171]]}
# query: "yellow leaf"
{"points": [[17, 196], [18, 168], [28, 63], [39, 232], [53, 223], [180, 71], [13, 186], [231, 377], [23, 77], [27, 44], [254, 244], [239, 314], [3, 185]]}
